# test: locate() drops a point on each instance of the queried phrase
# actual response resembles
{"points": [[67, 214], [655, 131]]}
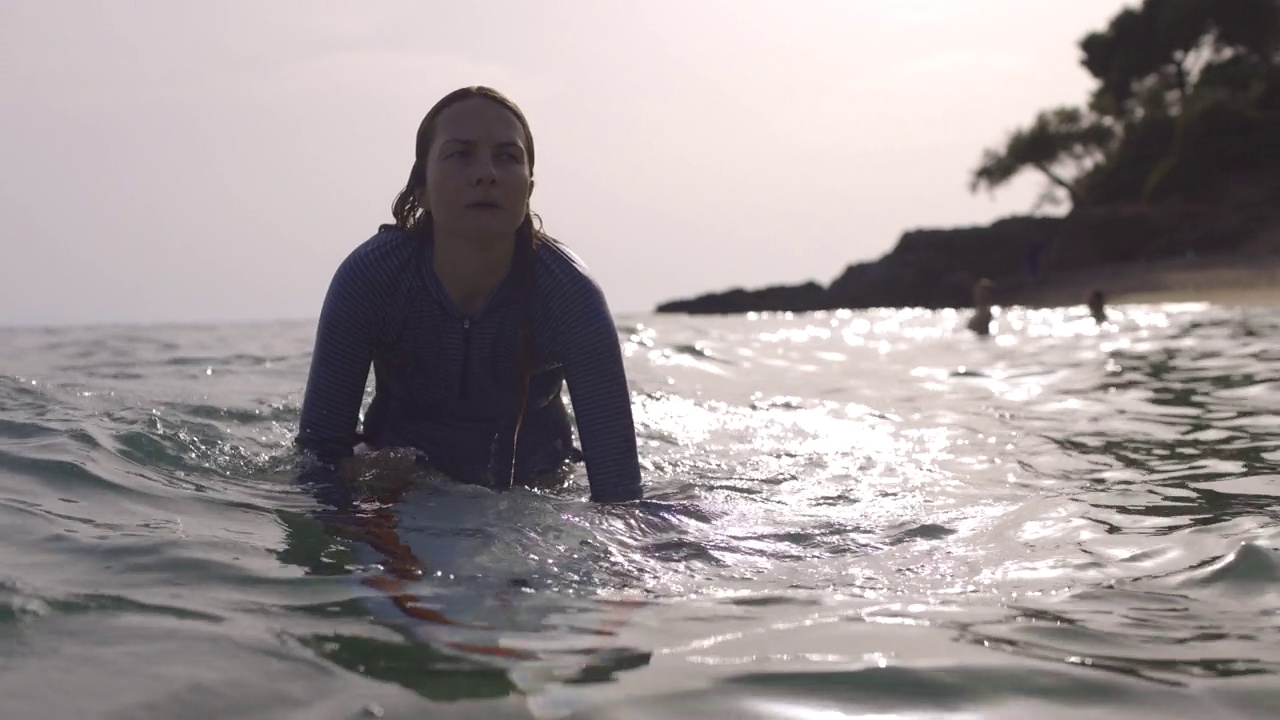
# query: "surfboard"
{"points": [[474, 574]]}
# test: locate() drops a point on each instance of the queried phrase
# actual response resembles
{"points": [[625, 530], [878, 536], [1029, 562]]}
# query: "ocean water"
{"points": [[866, 514]]}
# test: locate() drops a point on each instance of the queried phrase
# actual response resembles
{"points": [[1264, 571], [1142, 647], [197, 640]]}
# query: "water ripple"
{"points": [[849, 513]]}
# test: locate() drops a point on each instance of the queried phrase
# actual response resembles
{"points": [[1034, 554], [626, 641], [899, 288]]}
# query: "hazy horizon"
{"points": [[191, 164]]}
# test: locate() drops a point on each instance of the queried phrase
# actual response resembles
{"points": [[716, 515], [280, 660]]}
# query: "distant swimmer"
{"points": [[1097, 303], [980, 323]]}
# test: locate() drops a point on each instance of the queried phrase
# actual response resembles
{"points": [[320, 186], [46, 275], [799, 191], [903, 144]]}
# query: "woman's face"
{"points": [[478, 178]]}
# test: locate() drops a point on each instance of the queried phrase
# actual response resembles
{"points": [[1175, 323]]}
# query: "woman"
{"points": [[472, 320]]}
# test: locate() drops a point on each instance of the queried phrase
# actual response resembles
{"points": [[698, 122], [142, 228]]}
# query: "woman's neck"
{"points": [[471, 271]]}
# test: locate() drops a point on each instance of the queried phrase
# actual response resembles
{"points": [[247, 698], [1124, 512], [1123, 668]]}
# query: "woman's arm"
{"points": [[601, 401], [345, 339]]}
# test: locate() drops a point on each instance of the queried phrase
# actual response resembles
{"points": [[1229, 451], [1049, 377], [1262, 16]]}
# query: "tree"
{"points": [[1162, 47], [1183, 84], [1155, 48], [1250, 27], [1063, 144]]}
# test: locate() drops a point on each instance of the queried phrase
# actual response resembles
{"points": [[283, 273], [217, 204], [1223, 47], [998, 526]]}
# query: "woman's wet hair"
{"points": [[410, 216], [406, 210]]}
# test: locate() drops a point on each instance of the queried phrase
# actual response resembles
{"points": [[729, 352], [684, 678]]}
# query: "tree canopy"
{"points": [[1062, 143], [1161, 62]]}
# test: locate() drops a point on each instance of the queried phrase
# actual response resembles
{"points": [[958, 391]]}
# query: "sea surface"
{"points": [[868, 514]]}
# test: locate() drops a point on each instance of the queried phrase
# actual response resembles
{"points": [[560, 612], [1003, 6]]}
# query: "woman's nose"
{"points": [[486, 173]]}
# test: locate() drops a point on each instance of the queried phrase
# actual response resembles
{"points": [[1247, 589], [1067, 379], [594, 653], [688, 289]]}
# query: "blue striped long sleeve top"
{"points": [[448, 385]]}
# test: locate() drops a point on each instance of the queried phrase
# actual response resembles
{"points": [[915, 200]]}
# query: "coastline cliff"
{"points": [[1175, 158]]}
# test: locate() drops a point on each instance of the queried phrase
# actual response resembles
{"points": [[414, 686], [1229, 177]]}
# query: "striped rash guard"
{"points": [[448, 385]]}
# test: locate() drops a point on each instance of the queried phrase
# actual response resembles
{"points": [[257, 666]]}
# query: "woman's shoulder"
{"points": [[377, 258], [562, 271], [567, 288], [389, 244]]}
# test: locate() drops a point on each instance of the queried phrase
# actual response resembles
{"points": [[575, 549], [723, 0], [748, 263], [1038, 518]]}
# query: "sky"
{"points": [[166, 161]]}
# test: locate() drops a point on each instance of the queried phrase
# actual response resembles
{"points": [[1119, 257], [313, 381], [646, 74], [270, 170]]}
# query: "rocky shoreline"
{"points": [[1037, 261]]}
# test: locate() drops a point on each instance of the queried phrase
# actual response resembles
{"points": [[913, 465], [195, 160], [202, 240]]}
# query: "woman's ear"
{"points": [[530, 187]]}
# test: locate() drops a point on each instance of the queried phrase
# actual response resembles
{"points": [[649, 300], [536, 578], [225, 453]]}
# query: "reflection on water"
{"points": [[850, 514]]}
